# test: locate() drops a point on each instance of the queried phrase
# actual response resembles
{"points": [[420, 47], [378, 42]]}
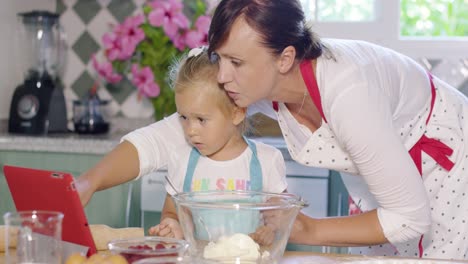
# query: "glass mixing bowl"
{"points": [[237, 225]]}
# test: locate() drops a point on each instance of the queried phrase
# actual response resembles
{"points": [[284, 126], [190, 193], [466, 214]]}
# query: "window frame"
{"points": [[385, 31]]}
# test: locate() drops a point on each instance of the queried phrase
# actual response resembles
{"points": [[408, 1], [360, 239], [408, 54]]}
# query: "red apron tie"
{"points": [[434, 148]]}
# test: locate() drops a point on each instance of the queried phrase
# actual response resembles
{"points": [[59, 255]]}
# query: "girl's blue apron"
{"points": [[211, 224]]}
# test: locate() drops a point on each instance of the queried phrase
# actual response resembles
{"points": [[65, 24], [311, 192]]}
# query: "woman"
{"points": [[360, 109]]}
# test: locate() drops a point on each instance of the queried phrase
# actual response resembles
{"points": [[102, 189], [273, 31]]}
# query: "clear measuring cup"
{"points": [[33, 237]]}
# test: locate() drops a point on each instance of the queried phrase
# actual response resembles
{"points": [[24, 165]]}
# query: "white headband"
{"points": [[196, 51]]}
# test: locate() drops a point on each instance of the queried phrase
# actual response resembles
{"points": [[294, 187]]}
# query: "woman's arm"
{"points": [[119, 166], [358, 230], [360, 115], [362, 121]]}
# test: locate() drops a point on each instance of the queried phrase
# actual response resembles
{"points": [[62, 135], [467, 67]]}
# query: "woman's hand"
{"points": [[264, 235], [168, 227], [300, 229]]}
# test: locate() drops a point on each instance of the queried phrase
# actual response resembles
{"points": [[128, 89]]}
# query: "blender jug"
{"points": [[38, 104]]}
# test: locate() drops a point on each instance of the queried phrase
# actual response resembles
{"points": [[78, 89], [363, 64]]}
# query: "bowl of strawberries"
{"points": [[134, 249]]}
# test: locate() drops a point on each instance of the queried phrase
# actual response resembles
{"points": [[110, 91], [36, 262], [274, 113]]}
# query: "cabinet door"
{"points": [[153, 192], [338, 196], [153, 195], [314, 190], [311, 184]]}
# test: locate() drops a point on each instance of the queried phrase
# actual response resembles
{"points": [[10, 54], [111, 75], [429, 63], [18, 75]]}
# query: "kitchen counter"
{"points": [[90, 144], [102, 234], [301, 257], [69, 142], [296, 257]]}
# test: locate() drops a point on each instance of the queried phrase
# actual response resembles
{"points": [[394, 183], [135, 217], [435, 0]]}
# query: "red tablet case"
{"points": [[34, 189]]}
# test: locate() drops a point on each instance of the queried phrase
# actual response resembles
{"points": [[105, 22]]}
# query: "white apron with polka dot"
{"points": [[447, 190]]}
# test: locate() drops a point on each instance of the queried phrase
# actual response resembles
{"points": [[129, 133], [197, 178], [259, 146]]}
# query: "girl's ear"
{"points": [[286, 59], [239, 115]]}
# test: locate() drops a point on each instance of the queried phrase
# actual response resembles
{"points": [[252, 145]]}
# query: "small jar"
{"points": [[90, 116]]}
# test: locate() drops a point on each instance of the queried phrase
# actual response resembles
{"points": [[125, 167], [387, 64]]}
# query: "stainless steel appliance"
{"points": [[38, 104]]}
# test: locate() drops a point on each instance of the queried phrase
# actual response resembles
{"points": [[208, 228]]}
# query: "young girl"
{"points": [[214, 155], [202, 146]]}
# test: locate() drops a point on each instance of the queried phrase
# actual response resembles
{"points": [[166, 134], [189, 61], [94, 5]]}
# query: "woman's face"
{"points": [[247, 70]]}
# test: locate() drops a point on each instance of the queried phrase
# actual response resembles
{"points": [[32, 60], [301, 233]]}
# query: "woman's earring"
{"points": [[214, 57]]}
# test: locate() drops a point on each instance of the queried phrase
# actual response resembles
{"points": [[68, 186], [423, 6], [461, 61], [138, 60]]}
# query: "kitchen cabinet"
{"points": [[109, 207], [311, 184], [152, 196]]}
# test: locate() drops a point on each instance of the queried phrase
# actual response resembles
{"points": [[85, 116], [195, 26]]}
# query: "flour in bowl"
{"points": [[235, 246]]}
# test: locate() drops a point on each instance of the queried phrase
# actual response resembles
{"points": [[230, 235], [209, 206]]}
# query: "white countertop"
{"points": [[69, 142]]}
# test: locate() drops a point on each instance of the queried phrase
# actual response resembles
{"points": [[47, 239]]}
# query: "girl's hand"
{"points": [[84, 190], [168, 227]]}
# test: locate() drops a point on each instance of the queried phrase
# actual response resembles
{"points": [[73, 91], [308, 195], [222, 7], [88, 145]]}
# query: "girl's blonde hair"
{"points": [[199, 72]]}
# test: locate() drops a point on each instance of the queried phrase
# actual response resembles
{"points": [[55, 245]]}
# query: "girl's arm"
{"points": [[169, 226], [142, 151], [119, 166], [169, 209]]}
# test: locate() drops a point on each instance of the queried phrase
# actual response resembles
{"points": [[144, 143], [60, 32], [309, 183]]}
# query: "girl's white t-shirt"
{"points": [[163, 144]]}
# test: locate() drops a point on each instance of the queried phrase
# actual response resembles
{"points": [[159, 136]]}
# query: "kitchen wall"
{"points": [[85, 21]]}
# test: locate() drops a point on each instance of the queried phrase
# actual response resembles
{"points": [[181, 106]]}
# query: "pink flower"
{"points": [[130, 29], [199, 36], [143, 79], [179, 41], [203, 23], [353, 207], [169, 15], [117, 47], [111, 45], [105, 70]]}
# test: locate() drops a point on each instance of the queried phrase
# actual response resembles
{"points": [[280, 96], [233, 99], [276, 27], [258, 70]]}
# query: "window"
{"points": [[418, 28], [440, 18], [340, 10]]}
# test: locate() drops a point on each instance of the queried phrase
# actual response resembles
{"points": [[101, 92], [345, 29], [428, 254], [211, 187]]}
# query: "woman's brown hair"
{"points": [[281, 23]]}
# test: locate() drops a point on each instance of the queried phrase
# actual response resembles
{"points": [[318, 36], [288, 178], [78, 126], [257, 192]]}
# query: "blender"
{"points": [[38, 104]]}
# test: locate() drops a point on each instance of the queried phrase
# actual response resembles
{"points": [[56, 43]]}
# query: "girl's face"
{"points": [[247, 71], [206, 126]]}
